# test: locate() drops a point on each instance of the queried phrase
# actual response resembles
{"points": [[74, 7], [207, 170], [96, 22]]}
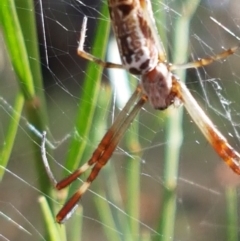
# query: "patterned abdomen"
{"points": [[135, 41]]}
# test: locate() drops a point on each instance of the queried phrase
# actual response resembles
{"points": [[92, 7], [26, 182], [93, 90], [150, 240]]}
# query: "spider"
{"points": [[141, 54]]}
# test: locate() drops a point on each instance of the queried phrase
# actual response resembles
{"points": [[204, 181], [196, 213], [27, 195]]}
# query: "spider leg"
{"points": [[102, 145], [45, 160], [100, 156], [107, 146], [205, 61], [87, 56], [96, 155], [230, 156]]}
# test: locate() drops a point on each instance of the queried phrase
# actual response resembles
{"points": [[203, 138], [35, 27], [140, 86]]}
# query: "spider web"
{"points": [[204, 183]]}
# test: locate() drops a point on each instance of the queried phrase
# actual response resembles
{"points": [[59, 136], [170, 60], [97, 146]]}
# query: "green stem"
{"points": [[11, 133], [89, 96], [232, 213], [174, 134]]}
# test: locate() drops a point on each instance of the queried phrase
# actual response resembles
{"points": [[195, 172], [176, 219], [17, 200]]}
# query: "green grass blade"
{"points": [[17, 20], [232, 213], [133, 177], [106, 212], [75, 225], [16, 47], [89, 94], [54, 233], [11, 133], [25, 10], [174, 134]]}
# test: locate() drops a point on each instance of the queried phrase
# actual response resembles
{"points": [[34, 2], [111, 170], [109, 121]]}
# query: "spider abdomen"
{"points": [[136, 44]]}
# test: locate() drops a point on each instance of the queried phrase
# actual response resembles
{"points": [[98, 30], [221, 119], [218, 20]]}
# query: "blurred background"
{"points": [[206, 187]]}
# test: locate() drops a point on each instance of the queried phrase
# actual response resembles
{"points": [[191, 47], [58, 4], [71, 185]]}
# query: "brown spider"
{"points": [[142, 55]]}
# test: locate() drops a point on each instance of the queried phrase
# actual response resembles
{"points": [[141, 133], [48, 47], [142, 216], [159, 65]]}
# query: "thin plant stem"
{"points": [[10, 135], [89, 94], [54, 233], [16, 34], [232, 213], [174, 134]]}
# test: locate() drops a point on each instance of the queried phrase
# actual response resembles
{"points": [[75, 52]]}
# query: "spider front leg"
{"points": [[87, 56], [205, 61]]}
